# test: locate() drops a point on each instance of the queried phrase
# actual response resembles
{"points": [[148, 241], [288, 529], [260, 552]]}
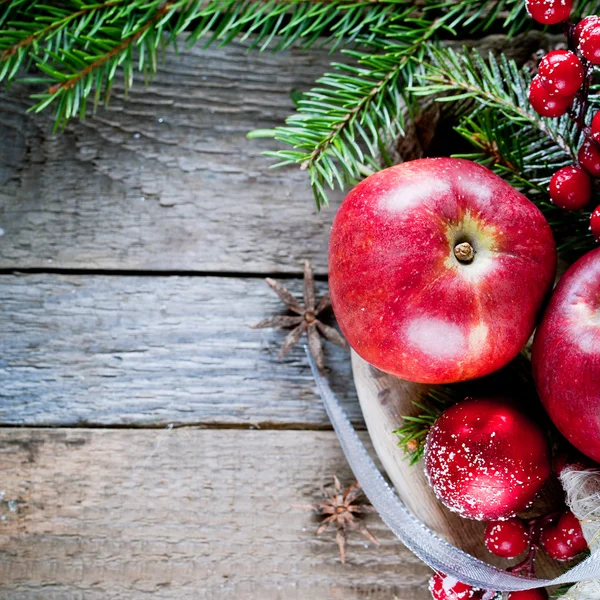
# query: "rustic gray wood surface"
{"points": [[149, 351], [100, 334], [183, 514]]}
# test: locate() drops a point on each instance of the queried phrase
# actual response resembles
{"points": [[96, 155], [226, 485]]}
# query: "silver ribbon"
{"points": [[415, 535]]}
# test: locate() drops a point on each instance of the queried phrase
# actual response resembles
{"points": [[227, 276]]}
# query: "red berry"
{"points": [[595, 224], [485, 460], [544, 104], [589, 43], [549, 12], [561, 73], [537, 594], [507, 539], [571, 188], [596, 127], [591, 20], [444, 587], [555, 545], [589, 157], [570, 528]]}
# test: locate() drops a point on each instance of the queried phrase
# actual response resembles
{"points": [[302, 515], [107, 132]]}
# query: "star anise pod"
{"points": [[305, 320], [342, 508]]}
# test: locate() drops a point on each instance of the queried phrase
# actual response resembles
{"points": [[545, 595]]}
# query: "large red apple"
{"points": [[437, 270], [566, 355]]}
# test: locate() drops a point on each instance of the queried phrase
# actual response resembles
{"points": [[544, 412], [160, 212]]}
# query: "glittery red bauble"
{"points": [[570, 528], [485, 459], [444, 587]]}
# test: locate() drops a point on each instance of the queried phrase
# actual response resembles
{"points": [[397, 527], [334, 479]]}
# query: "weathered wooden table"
{"points": [[152, 445]]}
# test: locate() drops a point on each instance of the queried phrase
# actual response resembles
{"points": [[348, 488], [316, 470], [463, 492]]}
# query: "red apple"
{"points": [[566, 356], [437, 269]]}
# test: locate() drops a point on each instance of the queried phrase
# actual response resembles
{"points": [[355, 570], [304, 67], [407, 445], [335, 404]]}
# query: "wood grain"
{"points": [[166, 180], [148, 351], [183, 514]]}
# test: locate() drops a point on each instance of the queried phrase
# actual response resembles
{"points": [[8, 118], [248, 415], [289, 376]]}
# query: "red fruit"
{"points": [[404, 291], [584, 23], [555, 545], [561, 73], [571, 188], [486, 460], [569, 528], [545, 104], [444, 587], [589, 157], [566, 355], [507, 539], [589, 43], [596, 127], [549, 12], [595, 224], [537, 594]]}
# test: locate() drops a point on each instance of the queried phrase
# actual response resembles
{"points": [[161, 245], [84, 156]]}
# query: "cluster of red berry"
{"points": [[559, 535], [564, 76]]}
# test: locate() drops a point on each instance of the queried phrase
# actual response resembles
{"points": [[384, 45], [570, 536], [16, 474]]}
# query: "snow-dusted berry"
{"points": [[561, 73], [537, 594], [589, 43], [544, 103], [507, 538], [549, 12], [583, 24], [485, 460], [571, 188], [589, 157], [595, 127], [444, 587], [555, 545], [595, 224], [570, 528]]}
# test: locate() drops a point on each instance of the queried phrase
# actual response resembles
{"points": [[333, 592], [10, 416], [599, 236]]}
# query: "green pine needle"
{"points": [[415, 428]]}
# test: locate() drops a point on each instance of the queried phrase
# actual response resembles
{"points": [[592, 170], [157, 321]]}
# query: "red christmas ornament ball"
{"points": [[571, 188], [589, 42], [444, 587], [595, 224], [589, 157], [591, 20], [507, 538], [595, 127], [570, 529], [561, 73], [537, 594], [549, 12], [544, 103], [486, 460], [555, 545]]}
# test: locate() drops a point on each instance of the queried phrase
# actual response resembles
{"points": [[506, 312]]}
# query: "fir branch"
{"points": [[415, 428], [521, 146]]}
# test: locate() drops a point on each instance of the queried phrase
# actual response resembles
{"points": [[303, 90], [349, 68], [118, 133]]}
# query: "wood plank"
{"points": [[183, 514], [166, 179], [148, 351]]}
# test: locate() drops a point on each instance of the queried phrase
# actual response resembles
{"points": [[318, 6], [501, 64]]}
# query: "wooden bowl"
{"points": [[384, 400]]}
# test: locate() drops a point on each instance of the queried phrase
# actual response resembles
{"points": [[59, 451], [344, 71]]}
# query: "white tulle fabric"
{"points": [[415, 535]]}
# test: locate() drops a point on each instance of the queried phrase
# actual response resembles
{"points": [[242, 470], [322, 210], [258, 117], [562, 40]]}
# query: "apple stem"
{"points": [[464, 252]]}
